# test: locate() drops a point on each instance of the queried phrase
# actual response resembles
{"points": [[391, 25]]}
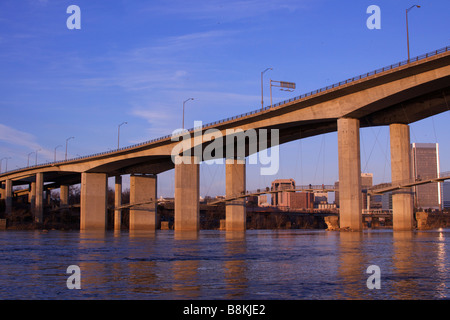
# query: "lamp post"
{"points": [[28, 161], [1, 160], [118, 134], [66, 145], [183, 108], [36, 154], [407, 30], [262, 96], [54, 159]]}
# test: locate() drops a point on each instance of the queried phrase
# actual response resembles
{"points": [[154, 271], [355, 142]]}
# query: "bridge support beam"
{"points": [[235, 211], [187, 193], [8, 197], [143, 188], [64, 195], [118, 203], [350, 212], [402, 200], [93, 201], [39, 198]]}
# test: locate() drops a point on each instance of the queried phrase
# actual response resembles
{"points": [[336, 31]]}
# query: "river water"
{"points": [[210, 264]]}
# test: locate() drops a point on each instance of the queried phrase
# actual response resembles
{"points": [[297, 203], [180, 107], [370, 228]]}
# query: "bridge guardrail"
{"points": [[303, 96]]}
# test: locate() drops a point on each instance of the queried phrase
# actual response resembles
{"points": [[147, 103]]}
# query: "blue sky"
{"points": [[137, 61]]}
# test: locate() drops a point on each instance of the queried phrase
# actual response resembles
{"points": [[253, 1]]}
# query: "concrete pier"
{"points": [[235, 210], [118, 202], [402, 200], [350, 212], [32, 198], [64, 195], [8, 197], [39, 204], [142, 189], [187, 193], [93, 201]]}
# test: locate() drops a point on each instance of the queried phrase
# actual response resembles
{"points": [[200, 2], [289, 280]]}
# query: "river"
{"points": [[211, 264]]}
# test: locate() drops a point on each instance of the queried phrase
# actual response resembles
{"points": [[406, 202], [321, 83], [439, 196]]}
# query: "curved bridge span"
{"points": [[394, 96]]}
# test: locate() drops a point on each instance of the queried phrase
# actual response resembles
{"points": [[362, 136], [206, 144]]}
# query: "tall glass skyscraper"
{"points": [[425, 165]]}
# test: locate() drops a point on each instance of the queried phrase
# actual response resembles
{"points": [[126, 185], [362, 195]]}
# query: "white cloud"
{"points": [[16, 138]]}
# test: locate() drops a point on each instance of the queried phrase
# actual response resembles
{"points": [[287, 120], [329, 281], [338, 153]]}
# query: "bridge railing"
{"points": [[243, 115]]}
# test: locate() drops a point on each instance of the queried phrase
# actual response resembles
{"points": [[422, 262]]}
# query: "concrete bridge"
{"points": [[396, 95]]}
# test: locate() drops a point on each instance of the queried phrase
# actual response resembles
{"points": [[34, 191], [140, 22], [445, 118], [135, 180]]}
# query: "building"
{"points": [[281, 199], [425, 165], [446, 195], [301, 200]]}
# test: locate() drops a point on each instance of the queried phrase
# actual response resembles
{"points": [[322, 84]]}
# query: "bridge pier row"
{"points": [[235, 210], [402, 200], [39, 198], [350, 204], [93, 211], [187, 193], [117, 203], [8, 197], [142, 189]]}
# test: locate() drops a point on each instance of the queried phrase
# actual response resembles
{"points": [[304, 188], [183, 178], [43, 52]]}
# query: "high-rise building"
{"points": [[446, 200], [425, 165]]}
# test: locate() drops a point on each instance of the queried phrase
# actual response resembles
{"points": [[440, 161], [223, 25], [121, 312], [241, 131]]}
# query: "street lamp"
{"points": [[262, 96], [1, 160], [36, 154], [66, 144], [118, 134], [407, 31], [6, 165], [55, 151], [28, 161], [183, 108]]}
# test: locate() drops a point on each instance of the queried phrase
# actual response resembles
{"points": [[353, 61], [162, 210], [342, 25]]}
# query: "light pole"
{"points": [[183, 108], [55, 151], [407, 31], [66, 144], [1, 160], [118, 135], [28, 161], [6, 165], [36, 154], [262, 96]]}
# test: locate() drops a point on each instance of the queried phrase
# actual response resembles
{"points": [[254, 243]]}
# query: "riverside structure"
{"points": [[393, 96]]}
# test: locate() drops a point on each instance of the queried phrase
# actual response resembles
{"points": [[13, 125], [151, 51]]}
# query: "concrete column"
{"points": [[350, 212], [94, 188], [402, 200], [8, 197], [187, 193], [39, 204], [32, 198], [118, 203], [2, 191], [64, 195], [142, 189], [235, 210]]}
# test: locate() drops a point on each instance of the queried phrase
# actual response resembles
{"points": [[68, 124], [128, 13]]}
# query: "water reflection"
{"points": [[257, 264], [235, 268]]}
